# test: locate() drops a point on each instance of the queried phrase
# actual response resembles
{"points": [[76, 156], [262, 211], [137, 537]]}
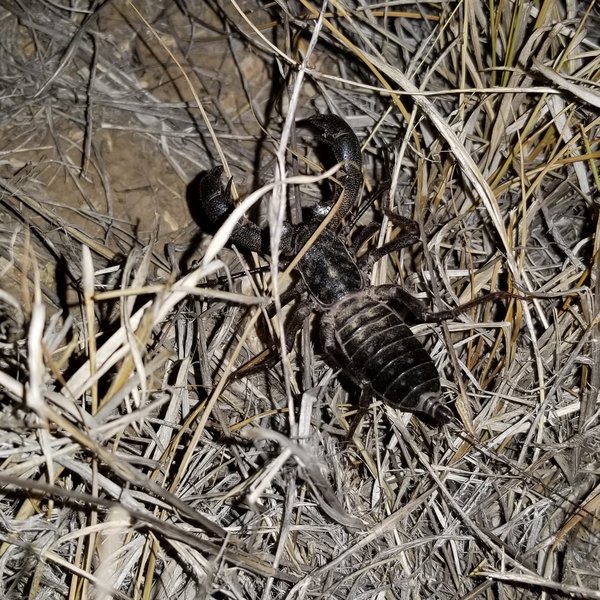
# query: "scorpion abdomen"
{"points": [[380, 350]]}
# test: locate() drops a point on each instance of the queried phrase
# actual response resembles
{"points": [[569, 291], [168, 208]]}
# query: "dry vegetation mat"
{"points": [[132, 464]]}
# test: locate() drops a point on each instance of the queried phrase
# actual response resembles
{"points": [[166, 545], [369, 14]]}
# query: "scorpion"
{"points": [[361, 331]]}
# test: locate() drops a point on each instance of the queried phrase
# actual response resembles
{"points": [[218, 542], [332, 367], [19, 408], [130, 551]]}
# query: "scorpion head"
{"points": [[329, 271]]}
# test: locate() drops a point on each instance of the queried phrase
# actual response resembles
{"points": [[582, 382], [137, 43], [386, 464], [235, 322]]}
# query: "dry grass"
{"points": [[128, 469]]}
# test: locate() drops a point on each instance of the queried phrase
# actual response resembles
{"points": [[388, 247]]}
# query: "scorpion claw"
{"points": [[337, 134], [216, 205], [342, 140], [215, 201]]}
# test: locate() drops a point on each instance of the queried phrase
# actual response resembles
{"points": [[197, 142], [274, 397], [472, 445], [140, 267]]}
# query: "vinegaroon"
{"points": [[361, 332]]}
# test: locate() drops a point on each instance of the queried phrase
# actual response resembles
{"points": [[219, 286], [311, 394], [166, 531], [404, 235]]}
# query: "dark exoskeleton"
{"points": [[361, 332]]}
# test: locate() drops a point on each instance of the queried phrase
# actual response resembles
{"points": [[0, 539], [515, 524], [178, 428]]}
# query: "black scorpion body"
{"points": [[360, 331]]}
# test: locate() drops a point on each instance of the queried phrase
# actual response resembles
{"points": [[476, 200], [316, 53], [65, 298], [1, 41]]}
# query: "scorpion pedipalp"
{"points": [[342, 141], [216, 205]]}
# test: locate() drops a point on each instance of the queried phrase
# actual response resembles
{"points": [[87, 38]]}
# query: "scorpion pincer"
{"points": [[361, 332]]}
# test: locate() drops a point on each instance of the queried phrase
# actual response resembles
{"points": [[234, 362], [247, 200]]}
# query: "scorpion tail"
{"points": [[430, 405]]}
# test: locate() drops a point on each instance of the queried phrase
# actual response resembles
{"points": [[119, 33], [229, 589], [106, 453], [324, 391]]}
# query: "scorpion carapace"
{"points": [[361, 332]]}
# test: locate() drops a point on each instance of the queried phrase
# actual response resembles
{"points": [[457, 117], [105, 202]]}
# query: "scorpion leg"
{"points": [[269, 357], [362, 236], [342, 140], [364, 401], [408, 237], [451, 313], [287, 297], [419, 309], [216, 205]]}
